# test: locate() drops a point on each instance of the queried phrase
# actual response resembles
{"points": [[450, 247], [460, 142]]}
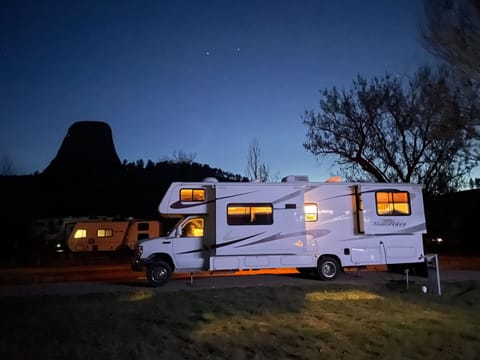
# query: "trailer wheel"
{"points": [[327, 268], [158, 273]]}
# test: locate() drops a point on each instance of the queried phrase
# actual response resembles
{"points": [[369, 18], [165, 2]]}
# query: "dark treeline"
{"points": [[455, 218]]}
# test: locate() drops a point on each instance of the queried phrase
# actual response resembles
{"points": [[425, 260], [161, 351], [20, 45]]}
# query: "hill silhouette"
{"points": [[87, 148], [86, 177]]}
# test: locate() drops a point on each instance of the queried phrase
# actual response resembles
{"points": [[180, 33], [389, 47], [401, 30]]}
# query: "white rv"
{"points": [[295, 223]]}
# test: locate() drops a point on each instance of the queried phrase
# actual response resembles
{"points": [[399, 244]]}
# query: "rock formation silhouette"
{"points": [[87, 148]]}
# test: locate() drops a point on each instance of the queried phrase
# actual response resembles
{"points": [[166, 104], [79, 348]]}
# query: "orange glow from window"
{"points": [[392, 203], [192, 194], [104, 232], [80, 234], [249, 215], [311, 212]]}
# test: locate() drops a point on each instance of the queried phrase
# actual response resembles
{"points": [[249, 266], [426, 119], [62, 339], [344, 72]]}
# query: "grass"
{"points": [[305, 322]]}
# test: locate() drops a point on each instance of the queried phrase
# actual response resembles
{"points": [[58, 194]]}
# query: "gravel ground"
{"points": [[361, 278]]}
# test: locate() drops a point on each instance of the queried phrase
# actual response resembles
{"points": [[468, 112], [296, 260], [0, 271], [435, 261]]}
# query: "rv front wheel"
{"points": [[158, 273], [328, 268]]}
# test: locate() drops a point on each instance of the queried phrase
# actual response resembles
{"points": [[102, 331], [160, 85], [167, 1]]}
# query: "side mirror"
{"points": [[178, 231]]}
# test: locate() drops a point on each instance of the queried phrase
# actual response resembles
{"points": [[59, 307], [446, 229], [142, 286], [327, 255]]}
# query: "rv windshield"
{"points": [[174, 227]]}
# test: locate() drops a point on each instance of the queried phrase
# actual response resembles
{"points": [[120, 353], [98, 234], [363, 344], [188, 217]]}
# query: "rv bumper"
{"points": [[137, 262]]}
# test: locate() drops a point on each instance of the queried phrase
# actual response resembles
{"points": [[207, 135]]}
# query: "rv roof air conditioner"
{"points": [[295, 178], [210, 180]]}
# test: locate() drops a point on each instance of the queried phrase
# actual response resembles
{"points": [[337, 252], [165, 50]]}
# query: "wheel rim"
{"points": [[159, 274], [329, 269]]}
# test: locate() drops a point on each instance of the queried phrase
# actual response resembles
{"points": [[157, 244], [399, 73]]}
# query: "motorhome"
{"points": [[110, 234], [312, 226]]}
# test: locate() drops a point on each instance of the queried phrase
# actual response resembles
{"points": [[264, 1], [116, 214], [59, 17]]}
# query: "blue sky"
{"points": [[202, 77]]}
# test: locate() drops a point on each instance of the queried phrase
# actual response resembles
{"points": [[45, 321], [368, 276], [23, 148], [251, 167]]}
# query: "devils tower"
{"points": [[87, 148]]}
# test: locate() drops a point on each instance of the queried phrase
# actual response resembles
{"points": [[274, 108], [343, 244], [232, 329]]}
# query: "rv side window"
{"points": [[80, 233], [396, 203], [311, 212], [249, 214], [192, 194], [104, 233], [143, 226]]}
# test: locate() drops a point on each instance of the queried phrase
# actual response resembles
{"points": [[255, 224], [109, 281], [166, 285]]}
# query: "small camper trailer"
{"points": [[319, 226], [110, 235]]}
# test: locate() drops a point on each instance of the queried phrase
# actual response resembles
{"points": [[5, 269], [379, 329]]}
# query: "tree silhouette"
{"points": [[256, 168], [6, 165], [452, 32], [415, 130]]}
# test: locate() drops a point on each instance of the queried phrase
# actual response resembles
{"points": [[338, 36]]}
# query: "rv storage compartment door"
{"points": [[366, 255]]}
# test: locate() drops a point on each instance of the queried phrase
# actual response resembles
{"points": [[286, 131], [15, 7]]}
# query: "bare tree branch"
{"points": [[256, 168], [6, 166], [398, 130], [452, 32]]}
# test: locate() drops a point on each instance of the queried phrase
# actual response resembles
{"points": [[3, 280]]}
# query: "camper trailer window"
{"points": [[311, 212], [396, 203], [104, 233], [143, 226], [80, 234], [142, 236], [250, 214], [192, 194]]}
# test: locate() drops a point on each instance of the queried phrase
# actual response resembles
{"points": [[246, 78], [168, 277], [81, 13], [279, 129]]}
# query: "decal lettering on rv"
{"points": [[390, 223]]}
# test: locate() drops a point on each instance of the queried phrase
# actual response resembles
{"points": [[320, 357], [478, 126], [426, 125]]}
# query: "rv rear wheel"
{"points": [[327, 268], [158, 273]]}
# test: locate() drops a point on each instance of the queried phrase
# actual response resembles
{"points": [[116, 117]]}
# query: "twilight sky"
{"points": [[202, 77]]}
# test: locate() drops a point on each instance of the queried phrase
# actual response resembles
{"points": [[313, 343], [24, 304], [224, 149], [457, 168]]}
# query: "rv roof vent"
{"points": [[210, 180], [334, 179], [295, 178]]}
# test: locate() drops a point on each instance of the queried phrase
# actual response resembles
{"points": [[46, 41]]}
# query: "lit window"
{"points": [[192, 195], [104, 233], [311, 212], [250, 214], [193, 227], [393, 203], [80, 234]]}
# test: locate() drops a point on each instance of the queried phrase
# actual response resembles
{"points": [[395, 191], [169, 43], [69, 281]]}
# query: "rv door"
{"points": [[188, 247]]}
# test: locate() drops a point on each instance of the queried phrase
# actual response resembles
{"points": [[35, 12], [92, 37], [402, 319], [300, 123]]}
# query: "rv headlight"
{"points": [[138, 250]]}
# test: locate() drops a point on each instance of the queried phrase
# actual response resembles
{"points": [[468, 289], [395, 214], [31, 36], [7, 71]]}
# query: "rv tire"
{"points": [[158, 273], [328, 268]]}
